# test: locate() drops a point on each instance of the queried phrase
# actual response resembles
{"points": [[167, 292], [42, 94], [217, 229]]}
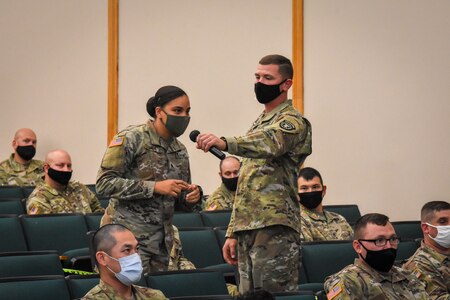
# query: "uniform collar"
{"points": [[173, 144], [392, 276], [433, 253], [276, 110], [19, 167], [54, 191]]}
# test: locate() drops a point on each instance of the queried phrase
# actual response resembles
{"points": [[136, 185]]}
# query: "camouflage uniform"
{"points": [[136, 158], [177, 259], [324, 227], [13, 173], [433, 269], [273, 149], [359, 281], [102, 291], [75, 198], [221, 198]]}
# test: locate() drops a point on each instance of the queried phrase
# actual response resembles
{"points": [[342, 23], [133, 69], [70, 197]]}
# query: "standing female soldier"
{"points": [[145, 171]]}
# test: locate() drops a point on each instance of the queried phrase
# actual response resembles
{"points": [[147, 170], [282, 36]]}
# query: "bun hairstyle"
{"points": [[163, 95]]}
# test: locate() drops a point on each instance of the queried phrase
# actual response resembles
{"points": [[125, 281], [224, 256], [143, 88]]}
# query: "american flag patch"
{"points": [[116, 142], [334, 292]]}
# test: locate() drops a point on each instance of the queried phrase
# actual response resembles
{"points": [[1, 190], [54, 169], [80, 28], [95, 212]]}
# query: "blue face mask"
{"points": [[130, 268]]}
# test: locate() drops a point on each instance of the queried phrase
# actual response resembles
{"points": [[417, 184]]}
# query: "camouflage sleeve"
{"points": [[271, 141], [431, 277], [93, 201], [344, 286], [37, 205], [111, 180], [213, 202], [305, 231], [230, 229], [3, 176]]}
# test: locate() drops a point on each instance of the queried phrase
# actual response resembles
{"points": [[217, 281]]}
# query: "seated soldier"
{"points": [[373, 275], [57, 194], [431, 262], [318, 224], [119, 265], [223, 196], [20, 168]]}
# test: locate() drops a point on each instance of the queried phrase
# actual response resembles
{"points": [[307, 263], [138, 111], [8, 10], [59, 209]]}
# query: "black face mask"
{"points": [[26, 152], [266, 93], [381, 260], [310, 200], [230, 183], [61, 177]]}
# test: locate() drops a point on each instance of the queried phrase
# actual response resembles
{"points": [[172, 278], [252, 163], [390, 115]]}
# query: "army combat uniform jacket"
{"points": [[136, 158], [359, 281], [103, 291], [324, 227], [273, 150], [75, 198], [433, 269], [13, 173], [221, 198]]}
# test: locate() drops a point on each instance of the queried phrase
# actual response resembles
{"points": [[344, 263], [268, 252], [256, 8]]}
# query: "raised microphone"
{"points": [[217, 153]]}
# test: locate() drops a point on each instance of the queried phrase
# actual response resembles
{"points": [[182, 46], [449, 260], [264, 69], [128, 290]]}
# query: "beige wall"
{"points": [[377, 93], [376, 84]]}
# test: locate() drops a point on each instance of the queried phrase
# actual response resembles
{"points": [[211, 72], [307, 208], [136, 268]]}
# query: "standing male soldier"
{"points": [[265, 220], [20, 168], [431, 262]]}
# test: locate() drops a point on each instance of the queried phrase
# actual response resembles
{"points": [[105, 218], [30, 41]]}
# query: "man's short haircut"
{"points": [[309, 173], [103, 239], [256, 294], [373, 218], [430, 208], [229, 156], [284, 64]]}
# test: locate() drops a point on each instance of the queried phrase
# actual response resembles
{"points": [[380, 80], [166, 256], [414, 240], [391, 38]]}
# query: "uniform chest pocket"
{"points": [[151, 163]]}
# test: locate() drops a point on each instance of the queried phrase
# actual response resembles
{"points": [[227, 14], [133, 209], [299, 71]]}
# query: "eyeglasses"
{"points": [[381, 242]]}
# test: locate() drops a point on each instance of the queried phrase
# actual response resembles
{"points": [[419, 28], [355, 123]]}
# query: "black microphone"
{"points": [[217, 153]]}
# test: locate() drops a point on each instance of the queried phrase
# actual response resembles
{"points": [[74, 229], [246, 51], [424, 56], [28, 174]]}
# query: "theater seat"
{"points": [[321, 259], [188, 283], [34, 288], [408, 230], [349, 211], [11, 206], [30, 263], [12, 237], [216, 218], [79, 285], [187, 220]]}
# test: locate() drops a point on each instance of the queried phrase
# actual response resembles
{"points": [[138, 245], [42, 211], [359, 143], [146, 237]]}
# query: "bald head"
{"points": [[24, 132], [24, 145], [57, 155], [229, 165]]}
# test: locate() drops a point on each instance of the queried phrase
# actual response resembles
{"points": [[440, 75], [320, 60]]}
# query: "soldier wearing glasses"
{"points": [[373, 275]]}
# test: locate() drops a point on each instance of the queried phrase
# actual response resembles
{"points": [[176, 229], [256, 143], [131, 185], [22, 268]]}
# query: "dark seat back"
{"points": [[188, 283], [12, 237], [11, 206], [11, 192], [30, 263], [201, 247], [216, 218], [79, 285], [349, 211], [408, 230], [34, 288], [187, 220]]}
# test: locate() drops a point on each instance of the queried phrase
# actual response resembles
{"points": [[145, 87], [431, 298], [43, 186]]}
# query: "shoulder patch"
{"points": [[33, 210], [116, 142], [334, 292], [286, 125], [416, 273]]}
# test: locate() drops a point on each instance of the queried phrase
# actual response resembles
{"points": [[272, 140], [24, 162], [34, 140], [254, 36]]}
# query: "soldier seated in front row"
{"points": [[373, 275]]}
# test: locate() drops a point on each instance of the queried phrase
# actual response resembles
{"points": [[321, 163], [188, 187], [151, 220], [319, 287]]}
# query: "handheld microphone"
{"points": [[217, 153]]}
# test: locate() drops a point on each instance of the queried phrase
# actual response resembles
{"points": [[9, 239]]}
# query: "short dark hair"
{"points": [[309, 173], [432, 207], [373, 218], [229, 156], [103, 239], [284, 64]]}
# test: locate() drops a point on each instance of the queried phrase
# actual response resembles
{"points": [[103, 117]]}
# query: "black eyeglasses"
{"points": [[381, 242]]}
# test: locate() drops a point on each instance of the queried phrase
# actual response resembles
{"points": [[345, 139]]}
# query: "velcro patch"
{"points": [[286, 125], [416, 273], [334, 292], [117, 141], [33, 210]]}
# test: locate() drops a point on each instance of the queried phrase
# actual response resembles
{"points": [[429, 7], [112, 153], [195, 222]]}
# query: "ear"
{"points": [[100, 257], [158, 112], [357, 246], [426, 229], [324, 191], [14, 144], [287, 84], [46, 166]]}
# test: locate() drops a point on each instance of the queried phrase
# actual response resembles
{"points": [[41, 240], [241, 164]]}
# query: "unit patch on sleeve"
{"points": [[286, 125]]}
